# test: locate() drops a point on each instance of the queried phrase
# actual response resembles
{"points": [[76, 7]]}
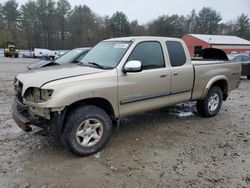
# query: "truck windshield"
{"points": [[106, 55]]}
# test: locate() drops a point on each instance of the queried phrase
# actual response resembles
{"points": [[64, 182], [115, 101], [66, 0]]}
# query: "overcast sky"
{"points": [[146, 10]]}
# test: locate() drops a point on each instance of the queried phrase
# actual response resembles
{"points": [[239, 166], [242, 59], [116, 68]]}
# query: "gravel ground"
{"points": [[171, 147]]}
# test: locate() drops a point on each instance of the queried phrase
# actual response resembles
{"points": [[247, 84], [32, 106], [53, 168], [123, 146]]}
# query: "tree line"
{"points": [[57, 25]]}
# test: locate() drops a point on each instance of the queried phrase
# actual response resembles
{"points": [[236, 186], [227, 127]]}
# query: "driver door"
{"points": [[148, 89]]}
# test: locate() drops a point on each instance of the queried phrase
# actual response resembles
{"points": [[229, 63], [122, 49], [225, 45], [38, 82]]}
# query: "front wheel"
{"points": [[248, 77], [87, 130], [211, 105]]}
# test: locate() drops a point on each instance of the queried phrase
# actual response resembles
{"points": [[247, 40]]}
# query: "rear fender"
{"points": [[211, 82]]}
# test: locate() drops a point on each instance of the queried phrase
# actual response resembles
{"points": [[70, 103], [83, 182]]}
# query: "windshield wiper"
{"points": [[99, 66], [96, 65]]}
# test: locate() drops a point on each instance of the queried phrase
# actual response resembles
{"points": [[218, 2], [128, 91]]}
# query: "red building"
{"points": [[229, 44]]}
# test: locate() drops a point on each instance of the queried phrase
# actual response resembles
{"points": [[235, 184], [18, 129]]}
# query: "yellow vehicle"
{"points": [[11, 50]]}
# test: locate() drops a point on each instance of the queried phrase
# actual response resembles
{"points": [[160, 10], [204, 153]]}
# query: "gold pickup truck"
{"points": [[118, 77]]}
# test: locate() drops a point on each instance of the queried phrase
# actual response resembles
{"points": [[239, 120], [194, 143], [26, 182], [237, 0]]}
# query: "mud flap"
{"points": [[56, 124]]}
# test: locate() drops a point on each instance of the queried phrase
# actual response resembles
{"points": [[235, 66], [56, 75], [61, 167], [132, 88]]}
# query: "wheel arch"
{"points": [[219, 81], [58, 120], [102, 103]]}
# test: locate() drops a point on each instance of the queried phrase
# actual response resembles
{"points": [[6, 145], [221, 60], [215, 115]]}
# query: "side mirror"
{"points": [[132, 66]]}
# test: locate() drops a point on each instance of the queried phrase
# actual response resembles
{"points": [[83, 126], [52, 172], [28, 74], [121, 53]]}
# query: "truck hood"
{"points": [[39, 77]]}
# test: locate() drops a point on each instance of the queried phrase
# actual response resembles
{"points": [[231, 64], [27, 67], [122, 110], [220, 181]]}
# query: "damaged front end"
{"points": [[25, 114]]}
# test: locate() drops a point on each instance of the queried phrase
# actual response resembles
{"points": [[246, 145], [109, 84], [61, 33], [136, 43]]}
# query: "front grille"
{"points": [[21, 107], [12, 49]]}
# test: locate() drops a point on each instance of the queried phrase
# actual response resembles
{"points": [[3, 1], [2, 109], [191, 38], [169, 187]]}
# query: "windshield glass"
{"points": [[68, 56], [106, 54]]}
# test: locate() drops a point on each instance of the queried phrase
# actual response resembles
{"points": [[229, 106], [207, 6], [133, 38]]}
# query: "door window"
{"points": [[176, 53], [149, 54]]}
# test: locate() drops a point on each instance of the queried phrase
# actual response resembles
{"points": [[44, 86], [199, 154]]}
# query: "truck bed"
{"points": [[206, 72]]}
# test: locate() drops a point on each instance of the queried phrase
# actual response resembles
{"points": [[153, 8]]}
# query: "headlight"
{"points": [[37, 95]]}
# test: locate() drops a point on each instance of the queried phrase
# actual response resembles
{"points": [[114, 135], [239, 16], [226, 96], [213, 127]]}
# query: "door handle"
{"points": [[175, 74], [163, 76]]}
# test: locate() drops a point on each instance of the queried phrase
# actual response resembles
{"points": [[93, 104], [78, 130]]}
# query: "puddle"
{"points": [[182, 110], [185, 114]]}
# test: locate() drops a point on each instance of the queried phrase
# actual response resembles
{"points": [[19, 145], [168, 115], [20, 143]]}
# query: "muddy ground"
{"points": [[171, 147]]}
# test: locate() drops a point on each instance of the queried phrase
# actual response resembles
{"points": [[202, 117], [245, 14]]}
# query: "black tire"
{"points": [[203, 107], [73, 122], [248, 77]]}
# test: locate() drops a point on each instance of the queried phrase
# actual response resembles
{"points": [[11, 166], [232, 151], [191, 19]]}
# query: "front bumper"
{"points": [[25, 118], [11, 53], [20, 119]]}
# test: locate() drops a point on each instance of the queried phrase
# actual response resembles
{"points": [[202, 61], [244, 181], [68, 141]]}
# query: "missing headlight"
{"points": [[46, 94], [37, 95]]}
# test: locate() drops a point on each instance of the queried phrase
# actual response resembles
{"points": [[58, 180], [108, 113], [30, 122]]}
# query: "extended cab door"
{"points": [[182, 72], [148, 89]]}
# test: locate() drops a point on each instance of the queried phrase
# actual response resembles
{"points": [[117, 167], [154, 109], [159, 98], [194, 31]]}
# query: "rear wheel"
{"points": [[211, 105], [87, 130], [248, 77]]}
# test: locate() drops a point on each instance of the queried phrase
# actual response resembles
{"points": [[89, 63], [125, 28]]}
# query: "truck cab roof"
{"points": [[141, 38]]}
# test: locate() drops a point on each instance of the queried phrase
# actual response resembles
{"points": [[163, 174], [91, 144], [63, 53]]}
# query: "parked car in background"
{"points": [[60, 53], [44, 54], [245, 62], [27, 54], [72, 56]]}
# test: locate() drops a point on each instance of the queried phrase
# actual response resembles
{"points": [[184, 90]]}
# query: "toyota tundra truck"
{"points": [[79, 103]]}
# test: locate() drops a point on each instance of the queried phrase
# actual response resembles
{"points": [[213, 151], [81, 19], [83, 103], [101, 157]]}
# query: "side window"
{"points": [[176, 53], [237, 58], [245, 58], [150, 54]]}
